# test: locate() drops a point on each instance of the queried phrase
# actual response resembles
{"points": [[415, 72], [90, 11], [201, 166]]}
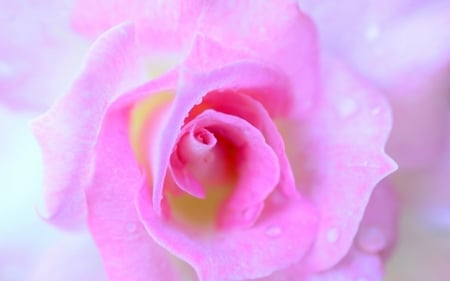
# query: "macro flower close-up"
{"points": [[225, 140]]}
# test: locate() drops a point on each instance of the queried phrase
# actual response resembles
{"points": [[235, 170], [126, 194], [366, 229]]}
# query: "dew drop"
{"points": [[131, 227], [371, 240], [347, 107], [376, 110], [332, 235], [273, 231]]}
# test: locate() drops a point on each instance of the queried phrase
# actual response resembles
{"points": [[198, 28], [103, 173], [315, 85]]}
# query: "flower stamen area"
{"points": [[144, 116]]}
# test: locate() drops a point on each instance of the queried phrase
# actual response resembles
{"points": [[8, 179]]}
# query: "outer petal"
{"points": [[364, 261], [110, 67], [243, 253], [287, 41], [128, 252], [260, 32], [332, 162], [171, 16], [356, 266]]}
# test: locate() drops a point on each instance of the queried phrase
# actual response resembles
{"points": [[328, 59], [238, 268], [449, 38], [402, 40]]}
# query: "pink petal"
{"points": [[337, 168], [163, 25], [248, 108], [356, 266], [93, 18], [195, 86], [209, 55], [110, 68], [378, 230], [289, 42], [263, 248], [128, 252], [374, 241]]}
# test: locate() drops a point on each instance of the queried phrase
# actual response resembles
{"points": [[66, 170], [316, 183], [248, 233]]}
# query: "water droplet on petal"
{"points": [[333, 235], [376, 110], [369, 164], [273, 231], [131, 227], [372, 240], [347, 107]]}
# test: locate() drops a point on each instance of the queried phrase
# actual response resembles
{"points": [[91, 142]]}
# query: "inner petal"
{"points": [[223, 157], [207, 158], [204, 169]]}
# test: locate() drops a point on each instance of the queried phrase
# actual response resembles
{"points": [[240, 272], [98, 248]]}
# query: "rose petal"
{"points": [[190, 94], [112, 216], [288, 42], [378, 230], [170, 21], [263, 248], [356, 266], [258, 169], [363, 261], [335, 166], [246, 107], [110, 68]]}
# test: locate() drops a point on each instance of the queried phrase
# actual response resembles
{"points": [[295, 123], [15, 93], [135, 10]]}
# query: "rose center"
{"points": [[204, 167]]}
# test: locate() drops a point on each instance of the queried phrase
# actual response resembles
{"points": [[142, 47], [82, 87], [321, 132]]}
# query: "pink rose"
{"points": [[247, 154]]}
